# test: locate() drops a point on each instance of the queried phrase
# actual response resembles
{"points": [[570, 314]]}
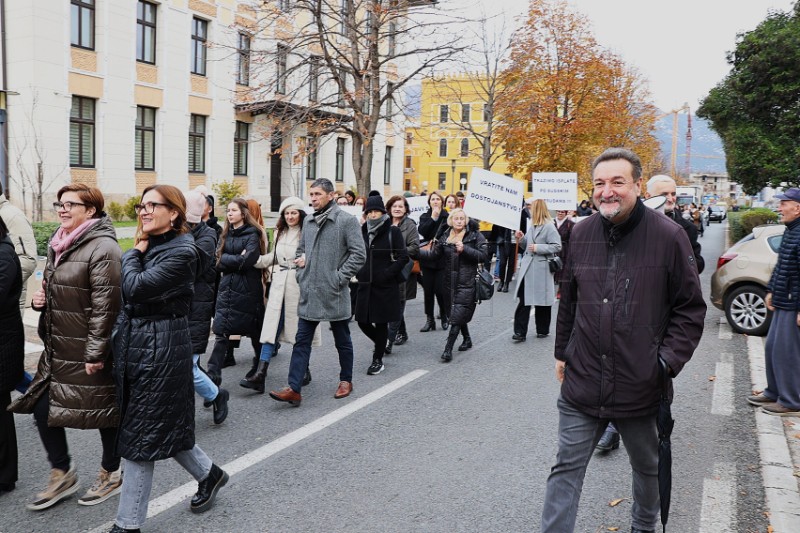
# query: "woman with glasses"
{"points": [[73, 387], [240, 296], [153, 358]]}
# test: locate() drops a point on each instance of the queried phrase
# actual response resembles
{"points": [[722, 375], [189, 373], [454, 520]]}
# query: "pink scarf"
{"points": [[62, 240]]}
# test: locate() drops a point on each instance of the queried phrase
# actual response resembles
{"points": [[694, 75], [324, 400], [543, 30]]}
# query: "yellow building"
{"points": [[441, 150]]}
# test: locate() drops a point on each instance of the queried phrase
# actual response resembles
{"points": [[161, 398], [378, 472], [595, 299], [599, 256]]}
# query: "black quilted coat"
{"points": [[204, 287], [153, 351], [12, 340], [240, 297]]}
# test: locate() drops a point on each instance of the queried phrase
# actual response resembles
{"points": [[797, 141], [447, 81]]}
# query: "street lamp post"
{"points": [[453, 169]]}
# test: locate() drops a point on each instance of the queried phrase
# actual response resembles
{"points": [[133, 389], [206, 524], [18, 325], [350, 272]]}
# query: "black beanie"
{"points": [[375, 203]]}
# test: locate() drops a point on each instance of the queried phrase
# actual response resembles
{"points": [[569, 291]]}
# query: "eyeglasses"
{"points": [[66, 206], [147, 208]]}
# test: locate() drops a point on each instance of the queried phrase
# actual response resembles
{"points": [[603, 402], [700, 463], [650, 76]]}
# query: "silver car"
{"points": [[739, 285]]}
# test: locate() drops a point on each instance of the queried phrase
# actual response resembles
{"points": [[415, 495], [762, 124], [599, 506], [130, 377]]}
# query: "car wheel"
{"points": [[747, 311]]}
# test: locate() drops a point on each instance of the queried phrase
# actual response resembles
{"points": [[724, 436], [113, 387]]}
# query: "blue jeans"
{"points": [[301, 353], [202, 383], [138, 481], [268, 348], [578, 434]]}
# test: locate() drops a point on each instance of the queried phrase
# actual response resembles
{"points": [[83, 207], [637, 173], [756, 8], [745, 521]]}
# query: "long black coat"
{"points": [[461, 269], [429, 230], [378, 300], [12, 340], [153, 350], [240, 297], [204, 287]]}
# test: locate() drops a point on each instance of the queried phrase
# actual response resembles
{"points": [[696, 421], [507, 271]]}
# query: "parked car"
{"points": [[739, 284], [717, 213]]}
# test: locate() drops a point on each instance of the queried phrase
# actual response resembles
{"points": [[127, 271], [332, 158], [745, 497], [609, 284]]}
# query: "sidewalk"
{"points": [[779, 443]]}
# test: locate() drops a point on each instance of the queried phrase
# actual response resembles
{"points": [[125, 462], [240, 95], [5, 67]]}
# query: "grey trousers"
{"points": [[138, 480], [578, 434], [782, 357]]}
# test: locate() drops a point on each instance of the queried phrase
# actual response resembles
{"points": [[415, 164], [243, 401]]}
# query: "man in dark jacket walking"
{"points": [[782, 350], [640, 301]]}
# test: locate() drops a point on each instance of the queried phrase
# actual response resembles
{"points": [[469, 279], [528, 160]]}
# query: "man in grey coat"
{"points": [[330, 252]]}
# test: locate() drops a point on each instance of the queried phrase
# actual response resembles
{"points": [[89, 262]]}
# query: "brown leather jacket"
{"points": [[83, 299]]}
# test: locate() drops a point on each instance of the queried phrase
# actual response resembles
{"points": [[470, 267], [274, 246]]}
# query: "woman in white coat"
{"points": [[535, 286], [280, 316]]}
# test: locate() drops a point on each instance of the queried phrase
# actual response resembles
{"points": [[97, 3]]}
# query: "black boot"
{"points": [[256, 381], [207, 489], [466, 345], [220, 404], [445, 323], [402, 334], [388, 350], [430, 325], [307, 377], [229, 360], [253, 366], [447, 355]]}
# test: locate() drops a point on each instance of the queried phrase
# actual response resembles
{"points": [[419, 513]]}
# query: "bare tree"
{"points": [[340, 66]]}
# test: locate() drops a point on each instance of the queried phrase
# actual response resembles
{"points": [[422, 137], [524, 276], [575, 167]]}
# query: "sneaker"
{"points": [[105, 486], [776, 409], [61, 485], [376, 367], [758, 400]]}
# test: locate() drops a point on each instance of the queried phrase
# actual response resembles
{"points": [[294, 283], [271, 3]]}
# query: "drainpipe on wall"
{"points": [[4, 112]]}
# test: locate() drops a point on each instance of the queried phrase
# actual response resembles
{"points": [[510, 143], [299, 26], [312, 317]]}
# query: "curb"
{"points": [[780, 484]]}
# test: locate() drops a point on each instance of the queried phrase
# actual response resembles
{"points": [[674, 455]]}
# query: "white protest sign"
{"points": [[494, 198], [417, 205], [355, 210], [559, 190]]}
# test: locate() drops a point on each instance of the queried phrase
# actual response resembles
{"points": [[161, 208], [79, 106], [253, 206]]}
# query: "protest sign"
{"points": [[559, 190], [417, 205], [355, 210], [494, 198]]}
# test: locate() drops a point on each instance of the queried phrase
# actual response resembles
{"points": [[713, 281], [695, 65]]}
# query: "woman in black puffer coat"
{"points": [[240, 296], [431, 227], [153, 358], [462, 247]]}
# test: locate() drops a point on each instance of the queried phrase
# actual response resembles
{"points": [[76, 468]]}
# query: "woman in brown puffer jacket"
{"points": [[73, 387]]}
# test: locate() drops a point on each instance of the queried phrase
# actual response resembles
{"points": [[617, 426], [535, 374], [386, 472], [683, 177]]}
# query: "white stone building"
{"points": [[122, 94]]}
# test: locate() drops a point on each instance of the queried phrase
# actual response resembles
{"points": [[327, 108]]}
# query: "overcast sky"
{"points": [[678, 45]]}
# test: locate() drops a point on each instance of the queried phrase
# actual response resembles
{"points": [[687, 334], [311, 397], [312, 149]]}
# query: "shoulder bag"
{"points": [[484, 284], [409, 266]]}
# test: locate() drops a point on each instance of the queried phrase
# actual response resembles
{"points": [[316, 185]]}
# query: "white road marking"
{"points": [[725, 331], [722, 400], [717, 514], [176, 496]]}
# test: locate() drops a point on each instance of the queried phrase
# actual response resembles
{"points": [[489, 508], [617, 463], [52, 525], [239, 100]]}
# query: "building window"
{"points": [[313, 78], [243, 54], [409, 138], [408, 163], [462, 181], [145, 138], [465, 111], [311, 157], [486, 113], [389, 100], [199, 38], [340, 159], [343, 16], [368, 22], [240, 138], [444, 113], [82, 29], [392, 39], [146, 32], [367, 94], [197, 144], [339, 92], [81, 132], [442, 181], [387, 166], [442, 147], [280, 69], [464, 147], [284, 5]]}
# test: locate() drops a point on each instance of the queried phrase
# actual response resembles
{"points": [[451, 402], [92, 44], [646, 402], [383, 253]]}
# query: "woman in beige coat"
{"points": [[280, 316]]}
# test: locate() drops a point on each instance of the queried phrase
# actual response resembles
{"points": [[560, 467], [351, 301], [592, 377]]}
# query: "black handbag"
{"points": [[555, 263], [406, 272], [484, 285]]}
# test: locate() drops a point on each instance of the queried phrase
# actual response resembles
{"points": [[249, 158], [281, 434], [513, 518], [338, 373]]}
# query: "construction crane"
{"points": [[674, 155]]}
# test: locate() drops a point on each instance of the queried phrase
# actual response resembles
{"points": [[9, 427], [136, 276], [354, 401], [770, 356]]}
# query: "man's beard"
{"points": [[608, 215]]}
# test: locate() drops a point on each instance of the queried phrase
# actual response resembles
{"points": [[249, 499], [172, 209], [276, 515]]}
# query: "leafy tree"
{"points": [[756, 108], [130, 207], [568, 99], [227, 191]]}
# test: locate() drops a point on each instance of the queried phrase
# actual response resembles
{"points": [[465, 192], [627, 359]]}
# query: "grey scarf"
{"points": [[322, 215], [374, 225]]}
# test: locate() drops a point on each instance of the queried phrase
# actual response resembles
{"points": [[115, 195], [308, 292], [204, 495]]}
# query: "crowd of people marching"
{"points": [[124, 333]]}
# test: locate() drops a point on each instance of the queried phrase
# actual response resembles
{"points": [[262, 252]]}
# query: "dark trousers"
{"points": [[506, 259], [378, 334], [8, 443], [221, 347], [522, 315], [55, 439], [433, 285], [301, 353]]}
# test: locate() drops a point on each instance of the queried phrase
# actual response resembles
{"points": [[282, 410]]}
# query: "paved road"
{"points": [[432, 447]]}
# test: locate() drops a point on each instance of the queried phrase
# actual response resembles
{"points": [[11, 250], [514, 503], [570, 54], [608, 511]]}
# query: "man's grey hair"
{"points": [[323, 183], [659, 178], [612, 154]]}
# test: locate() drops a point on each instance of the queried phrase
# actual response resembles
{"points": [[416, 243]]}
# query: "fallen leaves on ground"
{"points": [[614, 503], [712, 378]]}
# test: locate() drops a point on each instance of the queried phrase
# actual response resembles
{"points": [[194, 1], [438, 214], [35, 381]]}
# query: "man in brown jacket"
{"points": [[630, 295]]}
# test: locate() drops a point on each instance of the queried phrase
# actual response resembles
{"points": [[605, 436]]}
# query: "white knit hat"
{"points": [[292, 202], [195, 206]]}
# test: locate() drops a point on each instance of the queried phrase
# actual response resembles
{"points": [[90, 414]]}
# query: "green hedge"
{"points": [[743, 222], [42, 231]]}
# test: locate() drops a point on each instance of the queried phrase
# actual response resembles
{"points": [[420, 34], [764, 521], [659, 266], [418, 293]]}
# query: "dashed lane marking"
{"points": [[717, 514], [725, 331], [722, 399]]}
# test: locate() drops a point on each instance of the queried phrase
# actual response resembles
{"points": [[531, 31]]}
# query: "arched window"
{"points": [[464, 147], [442, 147]]}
